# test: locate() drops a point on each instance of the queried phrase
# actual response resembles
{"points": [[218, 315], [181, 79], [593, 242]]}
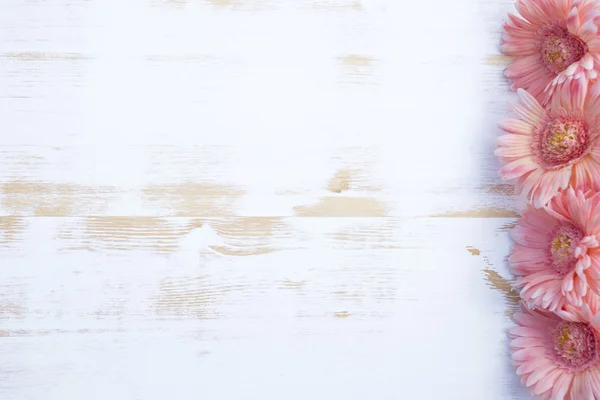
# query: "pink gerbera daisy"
{"points": [[555, 41], [548, 150], [556, 256], [558, 358]]}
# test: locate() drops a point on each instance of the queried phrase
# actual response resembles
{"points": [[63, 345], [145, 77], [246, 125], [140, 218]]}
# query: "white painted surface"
{"points": [[243, 199]]}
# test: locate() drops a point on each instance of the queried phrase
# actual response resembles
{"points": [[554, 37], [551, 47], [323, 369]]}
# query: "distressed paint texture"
{"points": [[253, 198]]}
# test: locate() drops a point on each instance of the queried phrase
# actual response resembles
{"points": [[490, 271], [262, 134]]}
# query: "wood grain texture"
{"points": [[230, 199], [138, 291], [159, 180]]}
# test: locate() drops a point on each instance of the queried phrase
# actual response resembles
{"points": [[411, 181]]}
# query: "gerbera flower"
{"points": [[554, 41], [558, 358], [556, 255], [549, 150]]}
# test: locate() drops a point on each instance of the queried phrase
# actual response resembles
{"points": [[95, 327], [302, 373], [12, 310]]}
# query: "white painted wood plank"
{"points": [[338, 308], [248, 72], [235, 180]]}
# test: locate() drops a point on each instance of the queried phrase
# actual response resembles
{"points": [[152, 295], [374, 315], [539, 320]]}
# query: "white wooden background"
{"points": [[253, 199]]}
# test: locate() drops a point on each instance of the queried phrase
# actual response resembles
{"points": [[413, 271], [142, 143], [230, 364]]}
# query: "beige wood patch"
{"points": [[511, 296], [44, 199], [498, 60], [343, 207], [11, 229], [194, 199]]}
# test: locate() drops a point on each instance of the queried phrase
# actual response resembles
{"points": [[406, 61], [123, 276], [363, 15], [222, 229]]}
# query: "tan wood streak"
{"points": [[474, 251], [501, 189], [341, 314], [193, 297], [355, 295], [194, 199], [243, 236], [228, 251], [480, 213], [349, 179], [249, 227], [373, 283], [43, 56], [377, 236], [247, 236], [10, 229], [333, 206], [10, 310], [340, 182], [290, 284], [498, 60], [130, 233], [356, 68], [46, 332], [337, 6], [45, 199], [508, 226], [12, 297], [356, 60], [497, 282]]}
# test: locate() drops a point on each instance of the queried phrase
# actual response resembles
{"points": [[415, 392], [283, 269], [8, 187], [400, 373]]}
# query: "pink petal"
{"points": [[547, 382], [594, 45], [594, 377], [530, 366], [587, 61], [595, 322], [573, 22], [513, 152], [539, 374], [530, 182], [531, 14], [562, 386], [514, 140], [523, 66], [520, 49], [528, 354], [517, 168], [516, 127], [529, 237], [526, 342], [528, 320], [527, 332], [586, 385], [593, 101]]}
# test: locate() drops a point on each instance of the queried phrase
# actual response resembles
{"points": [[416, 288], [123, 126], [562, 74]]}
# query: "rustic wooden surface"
{"points": [[253, 199]]}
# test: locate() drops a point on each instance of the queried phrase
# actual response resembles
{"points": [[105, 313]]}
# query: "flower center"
{"points": [[561, 141], [560, 48], [562, 248], [575, 345]]}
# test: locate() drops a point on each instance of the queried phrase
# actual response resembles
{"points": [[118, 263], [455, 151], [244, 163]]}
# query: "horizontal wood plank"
{"points": [[365, 293]]}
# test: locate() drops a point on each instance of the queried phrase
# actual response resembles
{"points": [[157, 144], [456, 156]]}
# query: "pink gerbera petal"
{"points": [[548, 150], [556, 358], [555, 42], [556, 256]]}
